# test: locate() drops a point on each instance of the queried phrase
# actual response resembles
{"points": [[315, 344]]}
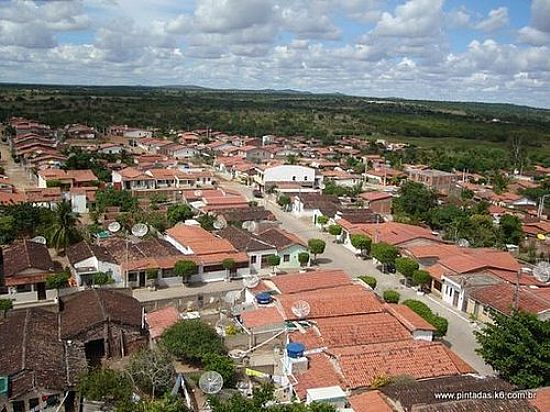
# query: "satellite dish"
{"points": [[463, 243], [541, 272], [114, 227], [211, 382], [301, 309], [540, 236], [39, 239], [219, 224], [249, 225], [140, 229], [251, 282], [198, 193]]}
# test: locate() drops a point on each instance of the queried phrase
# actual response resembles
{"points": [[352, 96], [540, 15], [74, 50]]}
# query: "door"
{"points": [[142, 277], [41, 291], [455, 298]]}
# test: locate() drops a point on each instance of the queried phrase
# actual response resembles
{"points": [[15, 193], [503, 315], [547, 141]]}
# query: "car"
{"points": [[257, 193], [389, 268]]}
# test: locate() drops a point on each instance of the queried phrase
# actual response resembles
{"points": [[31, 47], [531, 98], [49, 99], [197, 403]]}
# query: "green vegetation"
{"points": [[221, 364], [273, 261], [110, 197], [322, 220], [23, 220], [303, 258], [185, 269], [369, 280], [316, 247], [192, 340], [335, 230], [332, 188], [406, 266], [102, 278], [63, 230], [106, 385], [58, 280], [385, 253], [284, 202], [439, 323], [415, 201], [229, 264], [78, 159], [391, 296], [262, 401], [516, 346], [421, 278], [179, 213], [152, 371], [279, 113], [5, 306], [361, 242]]}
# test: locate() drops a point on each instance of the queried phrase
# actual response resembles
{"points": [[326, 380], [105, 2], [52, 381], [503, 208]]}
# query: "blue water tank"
{"points": [[263, 298], [295, 350]]}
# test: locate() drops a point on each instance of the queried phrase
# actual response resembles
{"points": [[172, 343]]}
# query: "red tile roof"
{"points": [[319, 279], [420, 360], [542, 399], [502, 298], [199, 240], [320, 374], [339, 301], [371, 401], [261, 317], [160, 320], [411, 320], [395, 233]]}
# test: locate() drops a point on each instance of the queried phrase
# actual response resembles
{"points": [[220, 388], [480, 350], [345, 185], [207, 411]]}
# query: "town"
{"points": [[203, 270]]}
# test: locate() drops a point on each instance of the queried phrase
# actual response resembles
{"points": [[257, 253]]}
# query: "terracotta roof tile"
{"points": [[411, 320], [160, 320], [370, 401], [319, 279], [502, 297], [261, 317], [542, 399], [320, 374]]}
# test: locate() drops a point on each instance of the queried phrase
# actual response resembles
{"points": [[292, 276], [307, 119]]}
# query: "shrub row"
{"points": [[439, 323]]}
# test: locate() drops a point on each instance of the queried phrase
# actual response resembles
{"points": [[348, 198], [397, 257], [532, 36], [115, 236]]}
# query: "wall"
{"points": [[289, 173], [293, 251], [423, 335]]}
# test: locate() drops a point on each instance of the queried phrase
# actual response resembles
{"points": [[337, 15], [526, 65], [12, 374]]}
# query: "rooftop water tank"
{"points": [[263, 298], [295, 350]]}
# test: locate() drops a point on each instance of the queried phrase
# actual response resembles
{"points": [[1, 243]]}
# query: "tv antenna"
{"points": [[463, 243], [249, 225], [250, 282], [541, 272], [140, 229], [114, 227], [39, 239], [211, 382], [301, 309]]}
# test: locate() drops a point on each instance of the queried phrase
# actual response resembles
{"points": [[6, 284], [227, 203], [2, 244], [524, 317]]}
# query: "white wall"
{"points": [[423, 335], [78, 203], [289, 173]]}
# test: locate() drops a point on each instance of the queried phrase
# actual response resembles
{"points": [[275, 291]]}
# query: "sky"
{"points": [[472, 50]]}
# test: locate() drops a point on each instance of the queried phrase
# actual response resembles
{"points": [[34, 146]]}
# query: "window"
{"points": [[24, 288], [253, 259], [33, 403], [294, 178], [18, 406], [132, 277], [286, 258], [305, 177]]}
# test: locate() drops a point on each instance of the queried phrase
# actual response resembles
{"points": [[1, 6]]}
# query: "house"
{"points": [[255, 154], [43, 354], [210, 251], [79, 131], [256, 214], [110, 148], [288, 246], [87, 259], [342, 178], [378, 202], [269, 177], [257, 249], [434, 179], [384, 176], [178, 151], [314, 205], [25, 267], [66, 178]]}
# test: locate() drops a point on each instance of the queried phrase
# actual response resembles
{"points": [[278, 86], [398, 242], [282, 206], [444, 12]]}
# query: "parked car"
{"points": [[257, 193]]}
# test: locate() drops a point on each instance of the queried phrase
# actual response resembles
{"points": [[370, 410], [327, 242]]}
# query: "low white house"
{"points": [[302, 176]]}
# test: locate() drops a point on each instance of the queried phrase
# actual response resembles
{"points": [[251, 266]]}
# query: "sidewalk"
{"points": [[146, 295]]}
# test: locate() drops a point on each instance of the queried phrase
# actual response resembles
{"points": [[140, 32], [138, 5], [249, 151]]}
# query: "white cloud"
{"points": [[496, 19], [415, 18], [538, 32]]}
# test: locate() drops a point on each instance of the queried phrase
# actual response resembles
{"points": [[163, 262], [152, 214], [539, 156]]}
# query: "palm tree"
{"points": [[63, 231]]}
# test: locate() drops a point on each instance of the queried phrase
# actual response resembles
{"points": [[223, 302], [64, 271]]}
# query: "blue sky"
{"points": [[489, 50]]}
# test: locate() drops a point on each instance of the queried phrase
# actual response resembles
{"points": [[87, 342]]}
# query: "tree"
{"points": [[221, 364], [415, 200], [192, 340], [106, 385], [284, 202], [421, 278], [273, 261], [110, 197], [102, 278], [303, 258], [63, 231], [391, 296], [165, 404], [7, 234], [406, 266], [420, 308], [335, 230], [385, 253], [322, 220], [229, 264], [207, 221], [5, 306], [361, 242], [316, 247], [58, 280], [369, 280], [516, 346], [185, 269], [179, 213], [152, 371], [511, 231]]}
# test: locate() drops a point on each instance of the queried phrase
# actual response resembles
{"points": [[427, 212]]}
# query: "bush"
{"points": [[303, 258], [421, 277], [391, 296], [385, 253], [322, 220], [406, 266], [103, 278], [438, 322], [192, 340], [106, 385], [58, 280], [369, 280], [335, 230]]}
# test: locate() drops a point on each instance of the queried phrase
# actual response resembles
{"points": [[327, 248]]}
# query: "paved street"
{"points": [[460, 334], [15, 172]]}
